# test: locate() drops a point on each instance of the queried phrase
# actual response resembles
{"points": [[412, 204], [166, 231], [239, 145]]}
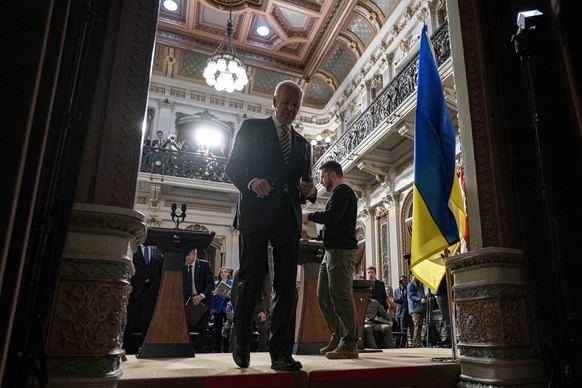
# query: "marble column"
{"points": [[85, 330], [85, 326], [496, 339]]}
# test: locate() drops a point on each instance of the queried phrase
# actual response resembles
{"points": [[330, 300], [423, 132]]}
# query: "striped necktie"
{"points": [[146, 255], [285, 142]]}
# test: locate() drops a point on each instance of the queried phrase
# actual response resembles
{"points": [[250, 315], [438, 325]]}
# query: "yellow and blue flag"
{"points": [[438, 208]]}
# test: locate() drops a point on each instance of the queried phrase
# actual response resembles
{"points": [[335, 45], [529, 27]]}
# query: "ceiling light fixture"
{"points": [[225, 70], [170, 5], [263, 30]]}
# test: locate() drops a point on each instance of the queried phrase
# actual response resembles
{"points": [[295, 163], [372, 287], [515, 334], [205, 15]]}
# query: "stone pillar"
{"points": [[88, 316], [499, 325], [496, 337], [85, 329]]}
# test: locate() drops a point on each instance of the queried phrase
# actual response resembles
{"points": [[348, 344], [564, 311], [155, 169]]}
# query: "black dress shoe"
{"points": [[241, 356], [285, 363]]}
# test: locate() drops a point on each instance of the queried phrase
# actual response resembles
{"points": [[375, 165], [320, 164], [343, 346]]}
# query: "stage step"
{"points": [[413, 367]]}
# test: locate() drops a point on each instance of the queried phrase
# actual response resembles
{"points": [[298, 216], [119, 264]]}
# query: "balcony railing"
{"points": [[192, 165], [205, 167], [386, 103]]}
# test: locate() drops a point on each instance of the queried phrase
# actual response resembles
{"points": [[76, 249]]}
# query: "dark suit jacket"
{"points": [[204, 279], [150, 274], [257, 153], [379, 293]]}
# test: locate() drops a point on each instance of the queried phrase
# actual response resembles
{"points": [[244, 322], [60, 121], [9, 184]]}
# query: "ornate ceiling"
{"points": [[315, 42]]}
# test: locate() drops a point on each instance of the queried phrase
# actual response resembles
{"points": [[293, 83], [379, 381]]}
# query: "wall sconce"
{"points": [[320, 140]]}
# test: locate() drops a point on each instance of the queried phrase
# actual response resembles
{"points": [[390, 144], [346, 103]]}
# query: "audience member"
{"points": [[334, 285], [261, 316], [171, 144], [145, 285], [184, 145], [159, 142], [402, 315], [442, 298], [379, 290], [220, 151], [416, 302], [377, 321], [391, 306], [198, 286], [268, 173], [227, 332], [219, 311]]}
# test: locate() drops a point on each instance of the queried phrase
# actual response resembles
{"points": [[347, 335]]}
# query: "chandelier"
{"points": [[225, 70]]}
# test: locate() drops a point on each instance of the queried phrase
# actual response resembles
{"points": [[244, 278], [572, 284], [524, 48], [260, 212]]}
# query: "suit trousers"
{"points": [[254, 266], [336, 297]]}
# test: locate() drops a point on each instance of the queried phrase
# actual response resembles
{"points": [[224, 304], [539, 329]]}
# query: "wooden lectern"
{"points": [[311, 332], [168, 334]]}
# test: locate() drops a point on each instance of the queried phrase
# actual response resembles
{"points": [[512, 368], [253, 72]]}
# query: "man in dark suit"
{"points": [[270, 164], [198, 286], [159, 142], [145, 285], [379, 290]]}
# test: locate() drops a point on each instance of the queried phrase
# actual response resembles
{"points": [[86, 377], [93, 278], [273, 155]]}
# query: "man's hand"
{"points": [[262, 317], [305, 217], [308, 188], [261, 187]]}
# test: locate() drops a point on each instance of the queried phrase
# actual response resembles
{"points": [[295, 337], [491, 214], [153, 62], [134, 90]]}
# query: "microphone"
{"points": [[174, 207]]}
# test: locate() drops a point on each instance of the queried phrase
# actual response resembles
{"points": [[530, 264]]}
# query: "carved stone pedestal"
{"points": [[495, 330], [85, 330]]}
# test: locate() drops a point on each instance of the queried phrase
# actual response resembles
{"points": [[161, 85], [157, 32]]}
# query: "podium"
{"points": [[168, 335], [311, 331], [362, 292]]}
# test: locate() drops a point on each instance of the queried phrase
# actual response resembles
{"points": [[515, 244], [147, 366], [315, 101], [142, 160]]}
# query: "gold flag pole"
{"points": [[451, 315], [451, 311]]}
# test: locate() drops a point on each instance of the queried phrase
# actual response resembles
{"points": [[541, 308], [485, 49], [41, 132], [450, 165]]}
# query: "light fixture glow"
{"points": [[170, 5], [263, 30], [225, 70]]}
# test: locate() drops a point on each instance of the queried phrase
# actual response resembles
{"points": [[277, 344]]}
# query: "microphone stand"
{"points": [[178, 218]]}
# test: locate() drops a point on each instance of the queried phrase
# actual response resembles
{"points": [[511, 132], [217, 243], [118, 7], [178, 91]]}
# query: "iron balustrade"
{"points": [[200, 166], [183, 164], [390, 98]]}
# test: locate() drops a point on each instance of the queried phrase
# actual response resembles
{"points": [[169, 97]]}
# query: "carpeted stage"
{"points": [[388, 368]]}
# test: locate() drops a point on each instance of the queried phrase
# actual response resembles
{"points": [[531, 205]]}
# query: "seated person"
{"points": [[261, 319], [377, 321]]}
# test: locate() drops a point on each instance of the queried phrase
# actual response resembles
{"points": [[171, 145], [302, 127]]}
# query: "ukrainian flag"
{"points": [[438, 208]]}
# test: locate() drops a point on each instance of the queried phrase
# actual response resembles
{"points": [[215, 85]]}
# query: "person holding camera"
{"points": [[402, 316], [171, 143], [416, 303]]}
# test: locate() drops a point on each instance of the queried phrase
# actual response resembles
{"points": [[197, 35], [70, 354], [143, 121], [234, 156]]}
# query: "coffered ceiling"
{"points": [[334, 48], [315, 42]]}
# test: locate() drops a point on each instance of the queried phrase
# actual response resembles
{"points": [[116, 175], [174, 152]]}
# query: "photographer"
{"points": [[402, 316], [171, 143]]}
